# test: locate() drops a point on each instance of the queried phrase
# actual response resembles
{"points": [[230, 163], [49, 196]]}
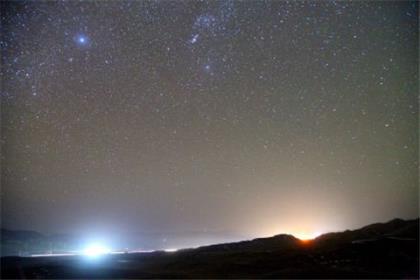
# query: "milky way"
{"points": [[256, 117]]}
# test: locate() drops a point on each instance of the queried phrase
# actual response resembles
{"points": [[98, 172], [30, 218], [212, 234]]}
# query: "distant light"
{"points": [[171, 250], [96, 250], [52, 255], [305, 236]]}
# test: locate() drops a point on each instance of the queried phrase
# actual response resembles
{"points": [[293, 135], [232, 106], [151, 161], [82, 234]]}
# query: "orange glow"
{"points": [[306, 242], [305, 235], [302, 229]]}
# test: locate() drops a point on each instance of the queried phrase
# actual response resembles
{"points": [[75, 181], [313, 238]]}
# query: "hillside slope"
{"points": [[386, 250]]}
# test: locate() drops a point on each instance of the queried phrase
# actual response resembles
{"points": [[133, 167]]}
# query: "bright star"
{"points": [[81, 40], [194, 39]]}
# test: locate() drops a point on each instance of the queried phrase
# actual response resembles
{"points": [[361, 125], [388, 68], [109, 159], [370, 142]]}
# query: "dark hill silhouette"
{"points": [[392, 229], [281, 241], [383, 250]]}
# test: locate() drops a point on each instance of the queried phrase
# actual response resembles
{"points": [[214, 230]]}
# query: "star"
{"points": [[194, 39], [82, 40]]}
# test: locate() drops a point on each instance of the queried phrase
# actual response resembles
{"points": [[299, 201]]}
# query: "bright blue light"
{"points": [[96, 250], [82, 40]]}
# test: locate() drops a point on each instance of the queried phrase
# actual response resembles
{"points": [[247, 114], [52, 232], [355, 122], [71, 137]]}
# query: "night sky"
{"points": [[245, 117]]}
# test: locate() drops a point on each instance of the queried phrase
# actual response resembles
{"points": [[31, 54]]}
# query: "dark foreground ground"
{"points": [[389, 250]]}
